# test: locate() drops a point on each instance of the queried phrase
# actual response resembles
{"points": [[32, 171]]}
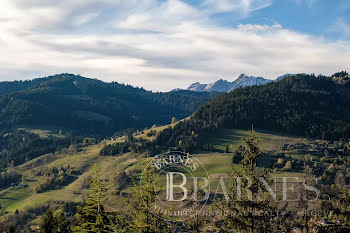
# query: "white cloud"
{"points": [[340, 27], [159, 45], [257, 28], [161, 17], [244, 6]]}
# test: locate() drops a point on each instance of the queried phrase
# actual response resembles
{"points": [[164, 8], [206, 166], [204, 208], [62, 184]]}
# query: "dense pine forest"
{"points": [[7, 87], [20, 146], [91, 106], [304, 105]]}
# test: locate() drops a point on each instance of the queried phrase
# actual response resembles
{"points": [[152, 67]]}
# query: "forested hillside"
{"points": [[302, 105], [91, 106], [59, 172], [20, 146], [7, 87]]}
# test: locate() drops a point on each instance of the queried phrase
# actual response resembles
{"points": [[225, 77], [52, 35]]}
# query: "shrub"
{"points": [[288, 166]]}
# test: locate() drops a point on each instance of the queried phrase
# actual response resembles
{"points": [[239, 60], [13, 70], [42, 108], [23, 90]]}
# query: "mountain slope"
{"points": [[92, 106], [197, 87], [226, 86], [283, 77], [14, 86], [245, 81], [218, 86], [302, 105]]}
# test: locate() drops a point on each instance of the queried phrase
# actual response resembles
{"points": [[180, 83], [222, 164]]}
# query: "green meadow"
{"points": [[217, 164]]}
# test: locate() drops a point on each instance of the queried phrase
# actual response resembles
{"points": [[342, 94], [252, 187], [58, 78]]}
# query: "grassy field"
{"points": [[43, 132], [155, 129], [216, 163], [26, 197], [233, 138]]}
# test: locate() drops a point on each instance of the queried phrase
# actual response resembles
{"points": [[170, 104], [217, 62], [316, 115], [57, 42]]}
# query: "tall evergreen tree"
{"points": [[227, 150], [63, 223], [92, 216], [243, 210], [48, 223], [143, 196]]}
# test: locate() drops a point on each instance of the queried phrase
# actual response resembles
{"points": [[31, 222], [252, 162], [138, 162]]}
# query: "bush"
{"points": [[288, 166], [53, 179]]}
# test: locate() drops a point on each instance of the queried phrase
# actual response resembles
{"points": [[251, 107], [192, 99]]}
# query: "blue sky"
{"points": [[166, 44], [318, 17]]}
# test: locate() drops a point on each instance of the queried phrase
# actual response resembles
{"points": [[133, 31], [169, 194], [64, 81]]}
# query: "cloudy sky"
{"points": [[164, 44]]}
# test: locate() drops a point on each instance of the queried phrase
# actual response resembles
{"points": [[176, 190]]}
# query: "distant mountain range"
{"points": [[226, 86]]}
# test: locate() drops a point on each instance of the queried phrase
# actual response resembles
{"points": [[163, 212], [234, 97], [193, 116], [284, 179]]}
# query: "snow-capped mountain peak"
{"points": [[244, 81], [219, 86], [197, 87], [226, 86]]}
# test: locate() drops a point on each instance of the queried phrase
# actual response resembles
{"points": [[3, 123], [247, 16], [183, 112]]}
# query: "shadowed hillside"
{"points": [[91, 106]]}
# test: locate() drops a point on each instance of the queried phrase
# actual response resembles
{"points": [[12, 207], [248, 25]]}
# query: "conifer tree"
{"points": [[55, 222], [48, 223], [241, 210], [91, 216], [227, 150], [62, 222], [144, 219]]}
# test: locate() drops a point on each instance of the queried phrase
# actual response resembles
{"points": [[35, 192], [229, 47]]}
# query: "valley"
{"points": [[22, 196], [300, 147]]}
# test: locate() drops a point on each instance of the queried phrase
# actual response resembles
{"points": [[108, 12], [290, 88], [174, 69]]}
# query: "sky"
{"points": [[165, 44]]}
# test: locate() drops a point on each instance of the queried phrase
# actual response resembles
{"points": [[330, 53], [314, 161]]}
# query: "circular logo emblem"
{"points": [[180, 186]]}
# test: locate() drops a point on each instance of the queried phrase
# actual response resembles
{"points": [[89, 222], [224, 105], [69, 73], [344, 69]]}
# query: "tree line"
{"points": [[19, 146]]}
